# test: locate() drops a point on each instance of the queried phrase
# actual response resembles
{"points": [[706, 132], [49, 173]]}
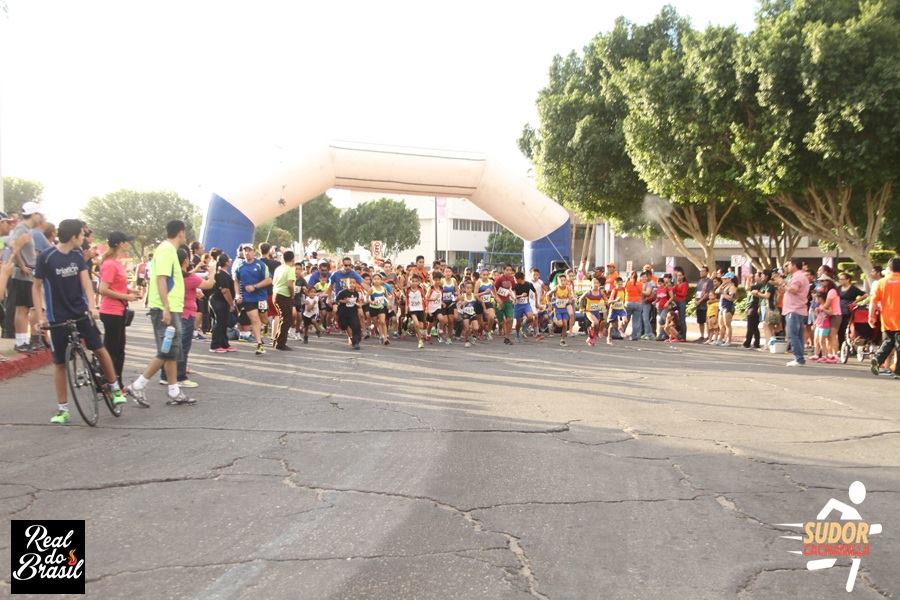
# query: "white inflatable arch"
{"points": [[266, 191]]}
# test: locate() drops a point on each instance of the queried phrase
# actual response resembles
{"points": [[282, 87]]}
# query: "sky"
{"points": [[98, 95]]}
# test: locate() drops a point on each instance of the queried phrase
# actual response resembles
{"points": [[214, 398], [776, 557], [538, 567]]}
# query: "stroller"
{"points": [[862, 339]]}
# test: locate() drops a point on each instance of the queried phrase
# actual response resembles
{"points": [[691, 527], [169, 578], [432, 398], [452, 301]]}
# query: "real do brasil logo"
{"points": [[848, 536], [47, 557]]}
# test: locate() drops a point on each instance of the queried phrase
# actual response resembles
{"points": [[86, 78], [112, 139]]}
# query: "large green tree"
{"points": [[141, 214], [578, 148], [501, 244], [825, 147], [385, 219], [17, 192]]}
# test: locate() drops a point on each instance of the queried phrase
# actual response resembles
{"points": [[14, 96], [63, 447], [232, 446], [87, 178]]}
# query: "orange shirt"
{"points": [[887, 294], [633, 291]]}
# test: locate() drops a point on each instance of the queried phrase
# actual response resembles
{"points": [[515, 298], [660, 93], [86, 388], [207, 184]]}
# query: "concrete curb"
{"points": [[23, 363]]}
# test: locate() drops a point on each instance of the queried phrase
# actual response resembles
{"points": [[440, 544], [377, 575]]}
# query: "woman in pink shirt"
{"points": [[114, 298], [833, 306]]}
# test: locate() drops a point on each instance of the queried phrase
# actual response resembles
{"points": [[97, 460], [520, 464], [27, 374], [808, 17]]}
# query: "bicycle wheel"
{"points": [[102, 389], [81, 382]]}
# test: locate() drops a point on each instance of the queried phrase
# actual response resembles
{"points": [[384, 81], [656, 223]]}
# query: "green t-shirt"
{"points": [[283, 274], [165, 262]]}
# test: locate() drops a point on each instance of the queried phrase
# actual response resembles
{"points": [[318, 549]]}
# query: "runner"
{"points": [[523, 291], [222, 304], [538, 302], [379, 297], [62, 288], [617, 314], [503, 288], [561, 297], [486, 293], [594, 306], [434, 308], [251, 283], [468, 300], [348, 313], [415, 301]]}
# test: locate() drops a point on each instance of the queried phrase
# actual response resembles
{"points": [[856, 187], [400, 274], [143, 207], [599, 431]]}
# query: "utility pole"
{"points": [[435, 229]]}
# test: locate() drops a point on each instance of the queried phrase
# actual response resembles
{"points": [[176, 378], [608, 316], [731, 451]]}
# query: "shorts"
{"points": [[616, 314], [701, 315], [449, 310], [561, 314], [522, 310], [309, 320], [726, 306], [506, 310], [479, 310], [374, 311], [599, 315], [433, 317], [489, 306], [418, 315], [835, 321], [261, 306], [59, 339], [823, 331], [23, 292], [469, 317], [159, 332], [141, 282]]}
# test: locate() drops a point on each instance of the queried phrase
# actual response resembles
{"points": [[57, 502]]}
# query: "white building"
{"points": [[462, 228]]}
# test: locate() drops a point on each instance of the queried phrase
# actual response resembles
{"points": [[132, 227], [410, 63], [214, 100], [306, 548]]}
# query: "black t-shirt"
{"points": [[848, 297], [522, 290], [272, 264], [223, 281], [754, 300], [348, 309]]}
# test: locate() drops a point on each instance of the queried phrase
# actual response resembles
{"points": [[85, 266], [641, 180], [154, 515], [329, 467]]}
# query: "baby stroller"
{"points": [[862, 339]]}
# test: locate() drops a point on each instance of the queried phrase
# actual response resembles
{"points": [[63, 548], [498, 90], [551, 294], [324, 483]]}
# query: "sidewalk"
{"points": [[13, 364]]}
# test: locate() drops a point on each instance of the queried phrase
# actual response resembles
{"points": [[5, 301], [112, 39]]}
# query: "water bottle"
{"points": [[167, 340]]}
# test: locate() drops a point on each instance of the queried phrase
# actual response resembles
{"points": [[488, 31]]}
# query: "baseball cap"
{"points": [[728, 275], [5, 217], [246, 247], [117, 237], [30, 208]]}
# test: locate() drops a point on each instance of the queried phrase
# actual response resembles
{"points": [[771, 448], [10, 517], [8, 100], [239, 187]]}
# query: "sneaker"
{"points": [[874, 366], [421, 344], [229, 349], [24, 348], [563, 343], [387, 342], [355, 346], [217, 350], [468, 344], [305, 339], [180, 400], [163, 382], [794, 363], [490, 335], [62, 417], [187, 383], [886, 373], [200, 337], [506, 341], [815, 358], [118, 397], [449, 341], [138, 396], [590, 341], [260, 349]]}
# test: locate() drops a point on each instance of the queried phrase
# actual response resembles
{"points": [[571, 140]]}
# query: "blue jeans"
{"points": [[645, 317], [794, 324], [635, 316]]}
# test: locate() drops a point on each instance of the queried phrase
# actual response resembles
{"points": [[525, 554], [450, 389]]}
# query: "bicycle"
{"points": [[85, 377]]}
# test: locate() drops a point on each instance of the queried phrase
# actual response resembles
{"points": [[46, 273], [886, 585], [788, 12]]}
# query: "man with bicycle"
{"points": [[62, 291]]}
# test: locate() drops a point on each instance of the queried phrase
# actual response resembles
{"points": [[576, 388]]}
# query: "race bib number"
{"points": [[263, 305], [415, 303], [522, 300], [351, 302], [561, 303], [503, 292], [448, 297], [594, 306], [377, 302], [486, 297], [469, 310]]}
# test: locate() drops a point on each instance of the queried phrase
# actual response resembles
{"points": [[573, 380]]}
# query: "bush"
{"points": [[849, 267], [881, 257]]}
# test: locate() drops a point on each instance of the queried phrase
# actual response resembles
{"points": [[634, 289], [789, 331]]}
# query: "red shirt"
{"points": [[680, 291], [112, 272], [662, 296], [505, 282]]}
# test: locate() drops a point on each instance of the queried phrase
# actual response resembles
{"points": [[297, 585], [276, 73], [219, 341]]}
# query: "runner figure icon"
{"points": [[830, 538]]}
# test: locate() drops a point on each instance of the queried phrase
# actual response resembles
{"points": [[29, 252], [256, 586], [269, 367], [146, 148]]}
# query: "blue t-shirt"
{"points": [[343, 281], [63, 295], [251, 273], [40, 240], [315, 277]]}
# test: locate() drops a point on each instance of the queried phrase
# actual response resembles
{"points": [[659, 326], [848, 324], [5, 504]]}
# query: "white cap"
{"points": [[30, 208]]}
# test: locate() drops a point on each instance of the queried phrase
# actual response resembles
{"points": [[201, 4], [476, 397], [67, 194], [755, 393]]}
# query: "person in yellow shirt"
{"points": [[886, 296]]}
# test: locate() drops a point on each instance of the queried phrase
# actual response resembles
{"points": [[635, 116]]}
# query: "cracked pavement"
{"points": [[638, 471]]}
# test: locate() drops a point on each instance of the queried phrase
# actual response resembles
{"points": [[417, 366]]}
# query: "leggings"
{"points": [[220, 323], [114, 341]]}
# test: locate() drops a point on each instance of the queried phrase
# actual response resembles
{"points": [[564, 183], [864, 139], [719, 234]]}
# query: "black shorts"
{"points": [[141, 282], [701, 315], [23, 292], [479, 310], [433, 317], [418, 314], [375, 311], [243, 319], [59, 339], [309, 320], [449, 310]]}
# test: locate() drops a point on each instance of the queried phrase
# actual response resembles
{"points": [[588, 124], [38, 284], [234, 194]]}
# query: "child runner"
{"points": [[348, 314], [560, 298], [486, 294], [378, 300], [434, 308], [468, 300], [503, 288], [617, 314], [449, 291], [594, 303], [523, 291]]}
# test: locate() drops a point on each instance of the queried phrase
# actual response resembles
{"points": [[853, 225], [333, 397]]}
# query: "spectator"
{"points": [[701, 301], [886, 295], [849, 294], [114, 298], [796, 309]]}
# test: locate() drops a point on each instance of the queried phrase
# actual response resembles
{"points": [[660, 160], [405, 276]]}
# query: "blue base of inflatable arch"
{"points": [[543, 252], [225, 227]]}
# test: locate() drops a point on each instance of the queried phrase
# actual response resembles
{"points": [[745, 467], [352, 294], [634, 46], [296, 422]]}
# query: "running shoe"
{"points": [[421, 344], [449, 341], [387, 342], [260, 349], [590, 341], [563, 343], [61, 418], [139, 397], [875, 367], [187, 383], [305, 339], [118, 397], [355, 346], [468, 345], [180, 400], [794, 363], [434, 331], [506, 341], [24, 348], [490, 335]]}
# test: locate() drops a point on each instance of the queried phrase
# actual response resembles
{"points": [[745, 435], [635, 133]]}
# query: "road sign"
{"points": [[738, 260], [629, 266], [376, 248]]}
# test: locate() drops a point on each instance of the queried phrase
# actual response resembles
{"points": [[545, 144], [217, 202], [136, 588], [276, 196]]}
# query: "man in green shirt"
{"points": [[166, 301], [283, 293]]}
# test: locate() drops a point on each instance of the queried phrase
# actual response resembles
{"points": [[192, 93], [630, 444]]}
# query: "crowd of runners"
{"points": [[264, 298]]}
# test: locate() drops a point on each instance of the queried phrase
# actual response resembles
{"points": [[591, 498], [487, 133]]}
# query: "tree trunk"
{"points": [[574, 233], [584, 243], [683, 221]]}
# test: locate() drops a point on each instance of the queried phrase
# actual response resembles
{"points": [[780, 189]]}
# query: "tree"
{"points": [[321, 221], [578, 150], [826, 145], [504, 244], [141, 214], [387, 220], [274, 235], [17, 192]]}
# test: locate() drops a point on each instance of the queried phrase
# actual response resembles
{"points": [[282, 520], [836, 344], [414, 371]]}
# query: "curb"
{"points": [[19, 365]]}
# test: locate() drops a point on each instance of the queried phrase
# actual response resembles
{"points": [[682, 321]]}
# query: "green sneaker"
{"points": [[187, 383], [118, 397], [61, 418]]}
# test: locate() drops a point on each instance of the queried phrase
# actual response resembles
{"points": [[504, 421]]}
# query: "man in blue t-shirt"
{"points": [[346, 278], [251, 281], [61, 292]]}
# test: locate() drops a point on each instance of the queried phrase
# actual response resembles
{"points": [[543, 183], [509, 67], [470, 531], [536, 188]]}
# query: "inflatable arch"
{"points": [[513, 201]]}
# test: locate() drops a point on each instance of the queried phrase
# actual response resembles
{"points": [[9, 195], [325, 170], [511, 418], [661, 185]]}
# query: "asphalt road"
{"points": [[532, 471]]}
